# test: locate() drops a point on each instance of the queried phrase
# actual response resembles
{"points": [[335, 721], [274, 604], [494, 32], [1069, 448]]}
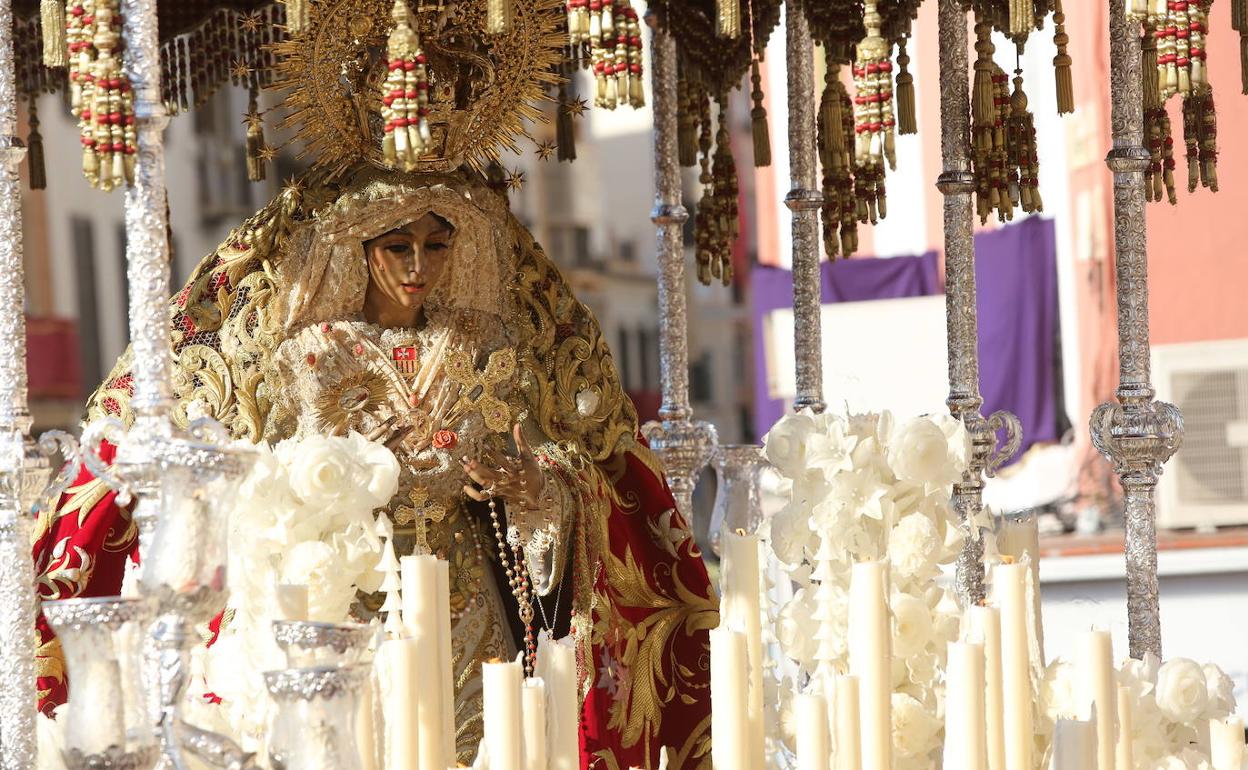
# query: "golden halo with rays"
{"points": [[359, 393], [483, 87]]}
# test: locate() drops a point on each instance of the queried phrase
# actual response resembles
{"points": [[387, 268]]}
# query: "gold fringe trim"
{"points": [[52, 20], [297, 15], [728, 18]]}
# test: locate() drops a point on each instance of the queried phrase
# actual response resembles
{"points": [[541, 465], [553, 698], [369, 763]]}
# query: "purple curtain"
{"points": [[1016, 271]]}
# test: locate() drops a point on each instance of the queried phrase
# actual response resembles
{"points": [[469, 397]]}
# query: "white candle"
{"points": [[292, 602], [95, 718], [870, 659], [848, 731], [556, 664], [1226, 743], [444, 661], [419, 575], [740, 609], [1098, 693], [533, 723], [811, 712], [730, 738], [1010, 585], [1074, 745], [366, 726], [965, 745], [1124, 753], [398, 660], [1020, 540], [985, 628], [500, 684]]}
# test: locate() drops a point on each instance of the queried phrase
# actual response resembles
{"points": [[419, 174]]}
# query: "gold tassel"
{"points": [[565, 131], [1191, 138], [1062, 62], [1239, 23], [687, 123], [758, 119], [297, 15], [1021, 20], [728, 18], [907, 118], [34, 155], [55, 46], [499, 17], [257, 148], [983, 108]]}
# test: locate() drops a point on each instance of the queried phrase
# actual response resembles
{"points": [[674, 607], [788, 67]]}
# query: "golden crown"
{"points": [[357, 70]]}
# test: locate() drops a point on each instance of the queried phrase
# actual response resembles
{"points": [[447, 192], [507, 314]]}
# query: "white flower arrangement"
{"points": [[1171, 706], [304, 515], [862, 488]]}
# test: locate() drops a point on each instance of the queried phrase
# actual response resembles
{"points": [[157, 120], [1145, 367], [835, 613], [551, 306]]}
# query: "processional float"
{"points": [[701, 51]]}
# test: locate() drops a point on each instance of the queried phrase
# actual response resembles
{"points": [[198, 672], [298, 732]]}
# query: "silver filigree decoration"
{"points": [[311, 683]]}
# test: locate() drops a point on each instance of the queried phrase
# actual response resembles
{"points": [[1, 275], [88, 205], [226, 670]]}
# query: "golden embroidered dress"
{"points": [[269, 337]]}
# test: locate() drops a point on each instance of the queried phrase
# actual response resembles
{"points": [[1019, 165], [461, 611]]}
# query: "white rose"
{"points": [[1221, 690], [321, 472], [795, 630], [913, 546], [1139, 676], [915, 727], [1193, 759], [316, 565], [785, 444], [912, 625], [919, 452], [790, 533], [1057, 691], [1182, 694], [958, 437], [380, 467]]}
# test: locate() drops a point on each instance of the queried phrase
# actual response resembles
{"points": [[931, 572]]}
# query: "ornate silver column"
{"points": [[957, 183], [147, 268], [1137, 434], [804, 200], [23, 472], [685, 446]]}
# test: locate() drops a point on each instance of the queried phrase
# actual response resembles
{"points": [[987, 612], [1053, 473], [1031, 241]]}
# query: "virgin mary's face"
{"points": [[405, 264]]}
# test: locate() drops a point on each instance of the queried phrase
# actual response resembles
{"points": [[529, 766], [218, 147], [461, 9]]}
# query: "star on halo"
{"points": [[254, 120], [251, 22], [514, 179], [545, 149], [577, 108], [240, 70], [267, 153]]}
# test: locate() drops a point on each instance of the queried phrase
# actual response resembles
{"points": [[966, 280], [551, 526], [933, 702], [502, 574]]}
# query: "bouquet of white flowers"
{"points": [[862, 488], [304, 515]]}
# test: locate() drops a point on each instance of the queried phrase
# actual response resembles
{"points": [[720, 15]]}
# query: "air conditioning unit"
{"points": [[1206, 483]]}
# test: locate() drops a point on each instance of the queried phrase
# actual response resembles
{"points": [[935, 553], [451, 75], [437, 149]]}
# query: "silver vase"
{"points": [[316, 710]]}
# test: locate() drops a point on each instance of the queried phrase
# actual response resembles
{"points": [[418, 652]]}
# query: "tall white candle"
{"points": [[730, 738], [533, 723], [419, 575], [870, 659], [984, 627], [398, 660], [444, 661], [1074, 745], [813, 750], [556, 664], [740, 609], [1124, 753], [292, 601], [965, 725], [1098, 693], [366, 725], [848, 730], [500, 684], [1020, 540], [1226, 743], [1010, 585]]}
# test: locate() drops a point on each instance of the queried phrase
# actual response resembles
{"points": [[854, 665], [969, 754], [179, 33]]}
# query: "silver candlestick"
{"points": [[957, 183], [685, 446], [804, 200], [1137, 434]]}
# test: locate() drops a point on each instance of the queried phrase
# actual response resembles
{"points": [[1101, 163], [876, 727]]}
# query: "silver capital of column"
{"points": [[957, 184], [685, 446], [804, 200]]}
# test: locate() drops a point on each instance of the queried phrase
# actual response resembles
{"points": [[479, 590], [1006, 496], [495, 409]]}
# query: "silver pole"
{"points": [[22, 471], [804, 200], [1137, 434], [957, 183], [685, 446]]}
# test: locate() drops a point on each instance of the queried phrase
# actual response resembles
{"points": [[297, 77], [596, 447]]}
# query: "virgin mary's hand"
{"points": [[512, 478]]}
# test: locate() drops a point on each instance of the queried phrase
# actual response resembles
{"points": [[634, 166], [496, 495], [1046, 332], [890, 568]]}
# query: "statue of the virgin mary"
{"points": [[411, 307]]}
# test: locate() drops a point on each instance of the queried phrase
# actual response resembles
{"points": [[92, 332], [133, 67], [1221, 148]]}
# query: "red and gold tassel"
{"points": [[1208, 141], [81, 46], [110, 146], [578, 22], [52, 20], [1024, 157], [405, 96], [636, 79], [873, 118], [1159, 179]]}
